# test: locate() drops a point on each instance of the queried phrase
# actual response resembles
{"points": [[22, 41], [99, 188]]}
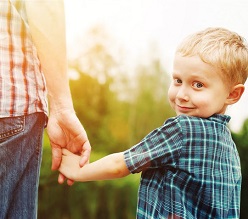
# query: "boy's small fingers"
{"points": [[61, 178], [70, 182]]}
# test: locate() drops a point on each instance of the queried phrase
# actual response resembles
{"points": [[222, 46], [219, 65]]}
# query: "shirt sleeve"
{"points": [[159, 148]]}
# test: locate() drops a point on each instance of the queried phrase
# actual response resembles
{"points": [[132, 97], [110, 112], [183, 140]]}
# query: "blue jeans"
{"points": [[20, 160]]}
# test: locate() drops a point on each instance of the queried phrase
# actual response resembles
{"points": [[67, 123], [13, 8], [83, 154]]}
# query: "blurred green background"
{"points": [[117, 110]]}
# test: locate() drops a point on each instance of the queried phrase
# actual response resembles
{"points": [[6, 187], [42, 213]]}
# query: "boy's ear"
{"points": [[235, 94]]}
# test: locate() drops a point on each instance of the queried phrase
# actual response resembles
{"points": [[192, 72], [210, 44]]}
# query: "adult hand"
{"points": [[65, 131]]}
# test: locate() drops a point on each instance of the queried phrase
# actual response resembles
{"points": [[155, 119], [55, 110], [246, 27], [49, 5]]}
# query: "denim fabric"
{"points": [[20, 160]]}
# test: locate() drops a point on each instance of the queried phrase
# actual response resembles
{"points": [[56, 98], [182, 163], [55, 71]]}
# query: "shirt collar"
{"points": [[220, 118]]}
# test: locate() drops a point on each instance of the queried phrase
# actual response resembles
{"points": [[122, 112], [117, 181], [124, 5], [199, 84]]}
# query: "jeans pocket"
{"points": [[11, 126]]}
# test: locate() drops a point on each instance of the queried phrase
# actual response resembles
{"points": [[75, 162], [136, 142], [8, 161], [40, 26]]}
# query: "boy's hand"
{"points": [[70, 165]]}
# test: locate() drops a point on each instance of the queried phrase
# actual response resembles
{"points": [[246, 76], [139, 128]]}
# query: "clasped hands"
{"points": [[65, 131]]}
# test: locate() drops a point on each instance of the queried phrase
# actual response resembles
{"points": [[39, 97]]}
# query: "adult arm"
{"points": [[47, 25]]}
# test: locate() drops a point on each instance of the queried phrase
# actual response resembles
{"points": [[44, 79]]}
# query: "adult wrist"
{"points": [[60, 104]]}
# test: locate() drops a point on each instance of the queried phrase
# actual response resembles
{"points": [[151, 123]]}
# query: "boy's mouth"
{"points": [[184, 109]]}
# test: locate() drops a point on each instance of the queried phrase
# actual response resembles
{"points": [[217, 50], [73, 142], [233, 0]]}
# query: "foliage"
{"points": [[150, 106]]}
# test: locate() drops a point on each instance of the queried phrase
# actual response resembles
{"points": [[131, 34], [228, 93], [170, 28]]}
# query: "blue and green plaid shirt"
{"points": [[190, 169]]}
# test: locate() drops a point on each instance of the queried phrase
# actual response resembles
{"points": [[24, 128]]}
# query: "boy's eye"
{"points": [[177, 81], [197, 84]]}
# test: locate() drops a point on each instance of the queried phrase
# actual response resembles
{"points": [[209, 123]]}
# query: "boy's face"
{"points": [[197, 88]]}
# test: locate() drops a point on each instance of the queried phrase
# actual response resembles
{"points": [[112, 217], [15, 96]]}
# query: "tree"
{"points": [[93, 92], [150, 106]]}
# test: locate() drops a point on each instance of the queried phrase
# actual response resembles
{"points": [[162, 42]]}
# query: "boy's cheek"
{"points": [[171, 94]]}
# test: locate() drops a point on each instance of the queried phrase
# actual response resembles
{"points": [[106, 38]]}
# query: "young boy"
{"points": [[190, 165]]}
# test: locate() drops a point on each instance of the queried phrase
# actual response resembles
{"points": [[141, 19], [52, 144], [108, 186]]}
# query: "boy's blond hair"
{"points": [[220, 48]]}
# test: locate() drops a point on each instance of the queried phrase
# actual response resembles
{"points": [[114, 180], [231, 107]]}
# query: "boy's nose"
{"points": [[182, 94]]}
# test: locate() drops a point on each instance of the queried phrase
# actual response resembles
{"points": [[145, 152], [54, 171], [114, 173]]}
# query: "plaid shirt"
{"points": [[190, 169], [22, 85]]}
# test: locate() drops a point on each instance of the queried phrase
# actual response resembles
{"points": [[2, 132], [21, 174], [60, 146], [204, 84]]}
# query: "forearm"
{"points": [[47, 25], [110, 167]]}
